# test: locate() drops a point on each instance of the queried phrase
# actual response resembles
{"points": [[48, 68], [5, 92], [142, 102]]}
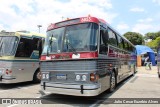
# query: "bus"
{"points": [[158, 60], [85, 56], [19, 56]]}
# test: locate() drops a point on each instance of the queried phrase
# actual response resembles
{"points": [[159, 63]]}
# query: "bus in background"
{"points": [[158, 60], [85, 57], [19, 56]]}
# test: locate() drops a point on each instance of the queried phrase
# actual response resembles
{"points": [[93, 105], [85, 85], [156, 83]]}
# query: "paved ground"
{"points": [[144, 84]]}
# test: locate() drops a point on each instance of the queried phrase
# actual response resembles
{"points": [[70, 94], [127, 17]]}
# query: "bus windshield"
{"points": [[73, 38], [8, 45]]}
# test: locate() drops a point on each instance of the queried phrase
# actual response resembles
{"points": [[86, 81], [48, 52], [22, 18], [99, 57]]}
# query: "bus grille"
{"points": [[68, 66]]}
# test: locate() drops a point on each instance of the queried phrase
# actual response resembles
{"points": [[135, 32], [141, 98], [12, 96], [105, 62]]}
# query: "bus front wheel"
{"points": [[112, 82], [37, 76]]}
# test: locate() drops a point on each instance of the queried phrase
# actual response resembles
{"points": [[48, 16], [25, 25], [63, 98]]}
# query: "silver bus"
{"points": [[19, 56], [85, 57], [158, 60]]}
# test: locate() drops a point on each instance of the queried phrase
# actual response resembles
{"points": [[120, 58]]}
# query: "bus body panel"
{"points": [[158, 60], [70, 86], [21, 70]]}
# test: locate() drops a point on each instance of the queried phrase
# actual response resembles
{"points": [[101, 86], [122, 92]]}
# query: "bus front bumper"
{"points": [[71, 89]]}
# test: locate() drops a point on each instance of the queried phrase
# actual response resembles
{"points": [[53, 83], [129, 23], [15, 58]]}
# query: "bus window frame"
{"points": [[115, 35], [18, 40], [104, 30], [28, 38]]}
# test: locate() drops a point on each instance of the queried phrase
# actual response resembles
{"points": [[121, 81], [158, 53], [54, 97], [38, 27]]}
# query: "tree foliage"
{"points": [[154, 43], [152, 35], [134, 37], [155, 37]]}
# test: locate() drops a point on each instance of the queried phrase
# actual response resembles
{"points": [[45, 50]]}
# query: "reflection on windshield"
{"points": [[74, 38], [8, 45]]}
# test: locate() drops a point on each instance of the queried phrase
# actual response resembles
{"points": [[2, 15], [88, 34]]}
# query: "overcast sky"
{"points": [[124, 15]]}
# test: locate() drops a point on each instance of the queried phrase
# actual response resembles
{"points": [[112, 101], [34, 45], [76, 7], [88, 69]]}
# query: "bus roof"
{"points": [[73, 21], [22, 33]]}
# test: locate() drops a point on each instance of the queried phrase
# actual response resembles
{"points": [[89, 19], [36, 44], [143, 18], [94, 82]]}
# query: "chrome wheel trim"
{"points": [[39, 75]]}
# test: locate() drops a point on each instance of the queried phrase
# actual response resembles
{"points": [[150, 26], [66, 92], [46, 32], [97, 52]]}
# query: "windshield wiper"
{"points": [[72, 48], [50, 42]]}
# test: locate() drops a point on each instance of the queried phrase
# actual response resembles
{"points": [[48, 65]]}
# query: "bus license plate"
{"points": [[61, 76]]}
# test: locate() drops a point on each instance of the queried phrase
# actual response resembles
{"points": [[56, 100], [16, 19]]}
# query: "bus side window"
{"points": [[120, 42], [25, 48], [36, 48], [21, 49], [112, 40], [103, 42], [126, 46]]}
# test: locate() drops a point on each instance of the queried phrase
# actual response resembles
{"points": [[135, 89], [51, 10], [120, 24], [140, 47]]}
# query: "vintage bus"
{"points": [[19, 56], [85, 57], [158, 60]]}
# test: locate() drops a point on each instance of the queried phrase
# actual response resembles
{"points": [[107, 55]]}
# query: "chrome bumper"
{"points": [[8, 79], [71, 89]]}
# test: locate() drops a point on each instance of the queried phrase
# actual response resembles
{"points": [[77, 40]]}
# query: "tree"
{"points": [[134, 37], [155, 36], [154, 43], [152, 35]]}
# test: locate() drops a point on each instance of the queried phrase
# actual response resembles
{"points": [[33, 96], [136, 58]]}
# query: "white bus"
{"points": [[19, 56]]}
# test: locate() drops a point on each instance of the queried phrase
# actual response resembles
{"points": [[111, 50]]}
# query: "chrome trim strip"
{"points": [[68, 70]]}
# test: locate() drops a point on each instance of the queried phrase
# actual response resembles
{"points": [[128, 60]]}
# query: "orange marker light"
{"points": [[94, 77]]}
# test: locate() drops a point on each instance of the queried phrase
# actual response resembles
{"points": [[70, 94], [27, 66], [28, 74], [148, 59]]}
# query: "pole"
{"points": [[39, 26]]}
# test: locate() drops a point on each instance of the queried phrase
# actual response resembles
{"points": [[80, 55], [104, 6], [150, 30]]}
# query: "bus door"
{"points": [[103, 50]]}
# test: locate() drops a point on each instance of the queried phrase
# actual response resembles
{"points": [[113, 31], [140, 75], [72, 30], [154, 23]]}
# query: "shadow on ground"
{"points": [[16, 85]]}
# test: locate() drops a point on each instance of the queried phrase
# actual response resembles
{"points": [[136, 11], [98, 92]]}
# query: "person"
{"points": [[146, 60], [147, 63]]}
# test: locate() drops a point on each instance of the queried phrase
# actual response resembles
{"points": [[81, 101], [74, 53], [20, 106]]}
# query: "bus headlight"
{"points": [[78, 77], [45, 76], [0, 72], [84, 77]]}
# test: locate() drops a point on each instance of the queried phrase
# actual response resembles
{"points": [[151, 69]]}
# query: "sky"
{"points": [[140, 16]]}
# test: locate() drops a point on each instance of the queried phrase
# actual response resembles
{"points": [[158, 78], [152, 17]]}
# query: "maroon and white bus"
{"points": [[84, 57], [158, 60]]}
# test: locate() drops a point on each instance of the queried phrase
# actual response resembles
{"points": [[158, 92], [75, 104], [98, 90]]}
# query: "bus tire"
{"points": [[37, 76], [112, 82]]}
